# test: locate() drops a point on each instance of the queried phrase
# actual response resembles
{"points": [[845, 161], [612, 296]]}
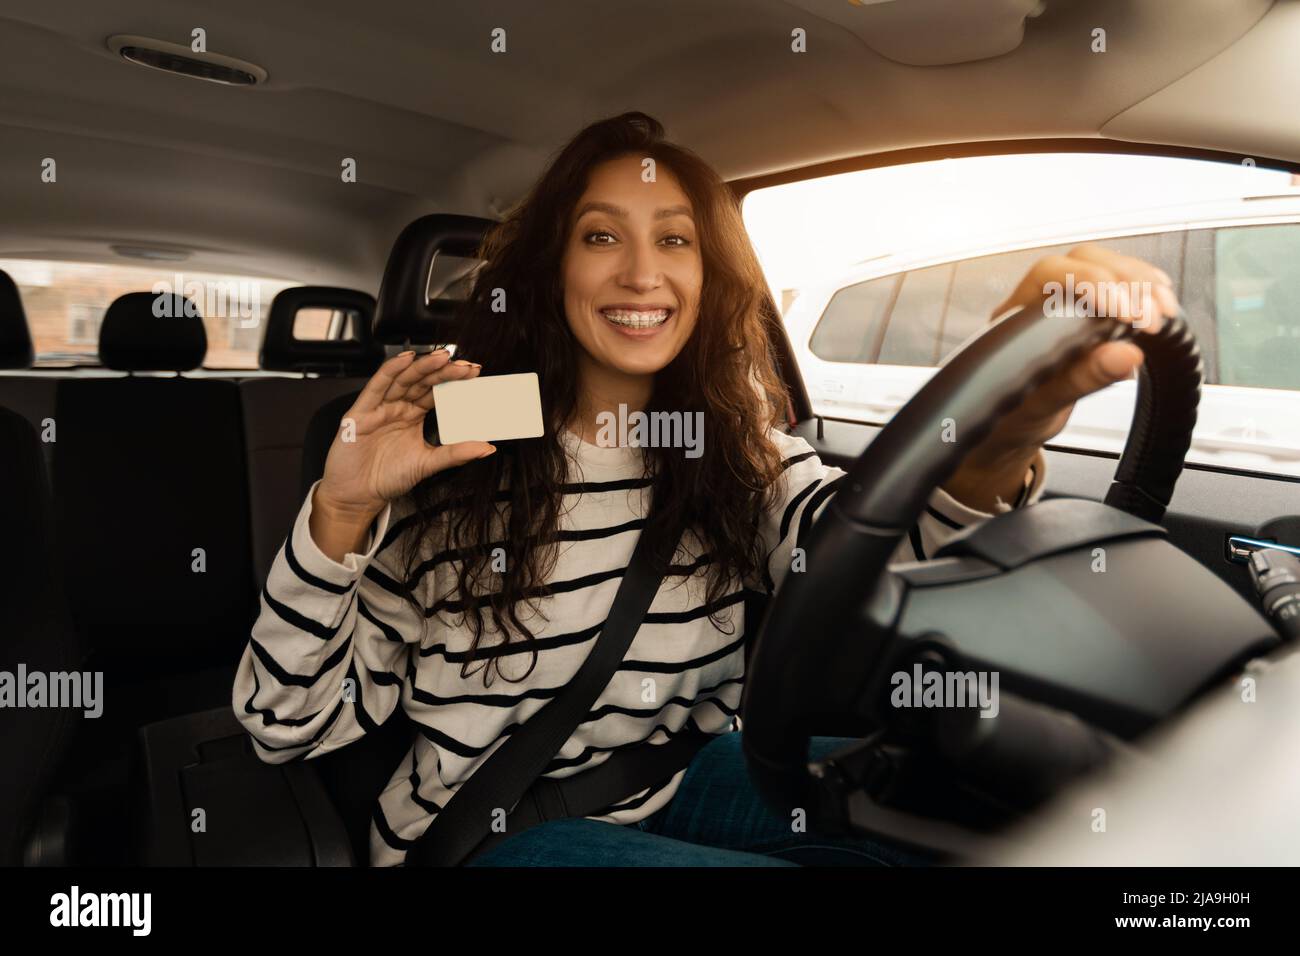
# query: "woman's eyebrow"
{"points": [[665, 212], [609, 208]]}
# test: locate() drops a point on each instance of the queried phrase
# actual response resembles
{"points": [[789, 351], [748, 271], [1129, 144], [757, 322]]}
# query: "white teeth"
{"points": [[637, 320]]}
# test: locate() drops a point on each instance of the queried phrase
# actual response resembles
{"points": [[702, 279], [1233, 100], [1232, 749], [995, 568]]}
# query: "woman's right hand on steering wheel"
{"points": [[379, 453]]}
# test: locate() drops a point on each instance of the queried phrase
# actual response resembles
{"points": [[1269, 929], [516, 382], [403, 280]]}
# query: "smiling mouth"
{"points": [[637, 318]]}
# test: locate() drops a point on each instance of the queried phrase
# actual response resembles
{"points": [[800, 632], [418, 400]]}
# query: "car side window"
{"points": [[1195, 286], [925, 253], [979, 287], [916, 320], [1257, 299], [849, 328]]}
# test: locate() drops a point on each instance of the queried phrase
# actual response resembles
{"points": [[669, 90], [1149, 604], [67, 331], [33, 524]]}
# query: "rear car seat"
{"points": [[276, 411], [321, 813], [35, 633], [151, 503], [404, 314], [31, 396]]}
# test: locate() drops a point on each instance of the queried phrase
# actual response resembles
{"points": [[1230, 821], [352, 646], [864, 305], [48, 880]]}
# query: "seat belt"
{"points": [[500, 782], [624, 774], [594, 792]]}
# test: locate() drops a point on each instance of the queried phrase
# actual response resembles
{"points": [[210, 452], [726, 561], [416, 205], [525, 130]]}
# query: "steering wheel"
{"points": [[826, 631]]}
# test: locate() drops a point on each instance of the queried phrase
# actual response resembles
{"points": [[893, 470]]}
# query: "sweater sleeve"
{"points": [[810, 484], [329, 650]]}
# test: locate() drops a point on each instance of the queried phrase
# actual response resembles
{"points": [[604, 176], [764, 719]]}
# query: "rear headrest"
{"points": [[404, 314], [281, 352], [144, 332], [15, 338]]}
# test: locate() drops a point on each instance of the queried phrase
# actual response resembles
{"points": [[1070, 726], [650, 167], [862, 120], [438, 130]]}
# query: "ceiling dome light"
{"points": [[174, 58]]}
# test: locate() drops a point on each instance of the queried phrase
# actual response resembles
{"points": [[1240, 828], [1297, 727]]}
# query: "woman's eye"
{"points": [[601, 237]]}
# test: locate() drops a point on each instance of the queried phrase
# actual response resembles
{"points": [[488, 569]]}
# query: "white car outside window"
{"points": [[867, 340]]}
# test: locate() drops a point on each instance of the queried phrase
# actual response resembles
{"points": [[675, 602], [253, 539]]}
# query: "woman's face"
{"points": [[632, 269]]}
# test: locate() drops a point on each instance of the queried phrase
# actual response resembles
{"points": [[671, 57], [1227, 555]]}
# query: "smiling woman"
{"points": [[416, 576], [603, 240], [632, 276]]}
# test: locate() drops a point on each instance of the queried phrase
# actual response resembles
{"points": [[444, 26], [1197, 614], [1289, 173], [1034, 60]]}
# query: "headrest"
{"points": [[15, 339], [404, 314], [144, 332], [282, 352]]}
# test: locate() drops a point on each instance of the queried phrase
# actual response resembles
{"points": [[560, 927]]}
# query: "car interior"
{"points": [[355, 155]]}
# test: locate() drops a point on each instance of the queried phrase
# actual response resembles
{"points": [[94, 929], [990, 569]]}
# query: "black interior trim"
{"points": [[1208, 506]]}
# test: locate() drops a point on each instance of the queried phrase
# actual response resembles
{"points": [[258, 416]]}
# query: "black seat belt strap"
{"points": [[595, 792], [510, 770]]}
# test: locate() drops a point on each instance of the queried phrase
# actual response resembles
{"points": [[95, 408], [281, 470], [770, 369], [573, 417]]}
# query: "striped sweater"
{"points": [[324, 622]]}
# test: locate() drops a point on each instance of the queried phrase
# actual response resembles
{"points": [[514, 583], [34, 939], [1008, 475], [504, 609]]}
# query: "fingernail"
{"points": [[462, 362], [407, 352], [1148, 312], [488, 452], [477, 365], [441, 352]]}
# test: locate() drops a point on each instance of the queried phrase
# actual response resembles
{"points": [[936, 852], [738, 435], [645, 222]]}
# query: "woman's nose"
{"points": [[641, 267]]}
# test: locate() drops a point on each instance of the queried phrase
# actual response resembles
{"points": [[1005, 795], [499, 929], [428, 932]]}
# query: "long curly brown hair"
{"points": [[726, 370]]}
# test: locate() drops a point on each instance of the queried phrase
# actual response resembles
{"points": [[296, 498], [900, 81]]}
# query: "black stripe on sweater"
{"points": [[943, 519], [359, 711], [303, 623], [289, 679], [795, 459], [390, 633], [461, 748], [324, 729], [561, 763], [386, 832], [424, 803], [585, 534], [570, 488], [793, 507], [306, 576], [571, 585], [810, 510], [269, 717], [666, 667], [513, 647], [914, 535]]}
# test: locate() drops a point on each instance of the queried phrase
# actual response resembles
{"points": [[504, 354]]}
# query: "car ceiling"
{"points": [[248, 180]]}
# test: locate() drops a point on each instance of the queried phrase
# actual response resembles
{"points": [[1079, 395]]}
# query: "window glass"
{"points": [[851, 323], [882, 274], [322, 324], [1257, 299], [979, 286], [65, 304], [1196, 292], [916, 321]]}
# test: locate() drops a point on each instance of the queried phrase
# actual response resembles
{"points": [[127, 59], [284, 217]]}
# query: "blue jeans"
{"points": [[716, 818]]}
